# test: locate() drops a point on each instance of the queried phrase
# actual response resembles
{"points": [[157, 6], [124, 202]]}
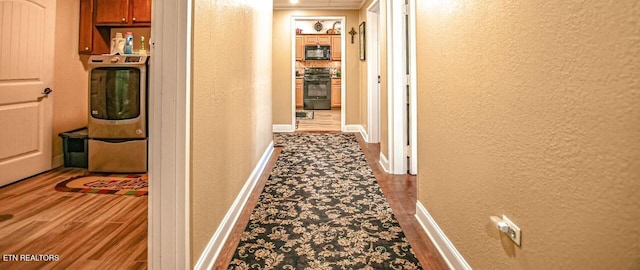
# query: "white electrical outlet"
{"points": [[514, 230]]}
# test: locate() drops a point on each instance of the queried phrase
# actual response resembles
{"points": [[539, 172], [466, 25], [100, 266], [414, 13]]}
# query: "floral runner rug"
{"points": [[322, 208]]}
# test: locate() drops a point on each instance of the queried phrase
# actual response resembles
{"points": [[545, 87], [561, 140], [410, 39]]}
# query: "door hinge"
{"points": [[407, 150], [405, 9], [406, 80]]}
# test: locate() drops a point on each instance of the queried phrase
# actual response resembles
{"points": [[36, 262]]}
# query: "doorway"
{"points": [[318, 73]]}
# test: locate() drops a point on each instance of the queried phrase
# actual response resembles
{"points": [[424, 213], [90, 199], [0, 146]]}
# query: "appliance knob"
{"points": [[138, 131], [114, 59]]}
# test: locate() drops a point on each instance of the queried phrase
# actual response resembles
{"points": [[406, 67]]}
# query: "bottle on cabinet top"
{"points": [[128, 44]]}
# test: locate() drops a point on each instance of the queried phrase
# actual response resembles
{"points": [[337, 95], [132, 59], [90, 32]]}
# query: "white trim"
{"points": [[362, 3], [169, 95], [384, 163], [57, 161], [413, 89], [352, 128], [293, 80], [343, 75], [283, 128], [364, 134], [396, 87], [373, 70], [216, 243], [343, 57], [449, 252]]}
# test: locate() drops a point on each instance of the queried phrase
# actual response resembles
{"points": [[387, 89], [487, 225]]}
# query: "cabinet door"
{"points": [[110, 12], [324, 40], [140, 11], [299, 97], [310, 40], [85, 39], [336, 48], [336, 91], [299, 49]]}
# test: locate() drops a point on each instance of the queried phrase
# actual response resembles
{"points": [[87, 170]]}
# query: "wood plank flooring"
{"points": [[85, 231], [400, 191], [94, 231], [323, 120]]}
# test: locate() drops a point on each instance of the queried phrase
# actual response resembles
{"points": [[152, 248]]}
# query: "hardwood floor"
{"points": [[400, 191], [323, 120], [85, 231]]}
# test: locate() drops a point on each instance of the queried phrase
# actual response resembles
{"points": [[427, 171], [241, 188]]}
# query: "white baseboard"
{"points": [[364, 134], [351, 128], [384, 162], [449, 253], [57, 161], [211, 252], [284, 128]]}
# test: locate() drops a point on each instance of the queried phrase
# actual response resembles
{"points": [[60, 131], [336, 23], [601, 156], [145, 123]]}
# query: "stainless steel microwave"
{"points": [[317, 52]]}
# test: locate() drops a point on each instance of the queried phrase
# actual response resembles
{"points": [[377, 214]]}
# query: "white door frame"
{"points": [[169, 145], [373, 70], [343, 70], [396, 87], [413, 89]]}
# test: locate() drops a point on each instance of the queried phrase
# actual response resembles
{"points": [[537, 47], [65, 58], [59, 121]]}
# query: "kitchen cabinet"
{"points": [[299, 48], [92, 39], [317, 40], [98, 17], [299, 88], [141, 11], [133, 13], [336, 48], [336, 92]]}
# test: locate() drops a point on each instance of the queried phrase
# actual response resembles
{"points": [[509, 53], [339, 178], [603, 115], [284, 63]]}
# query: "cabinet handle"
{"points": [[86, 48], [134, 19], [124, 20]]}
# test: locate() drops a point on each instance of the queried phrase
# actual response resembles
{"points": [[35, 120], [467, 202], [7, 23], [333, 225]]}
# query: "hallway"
{"points": [[399, 190]]}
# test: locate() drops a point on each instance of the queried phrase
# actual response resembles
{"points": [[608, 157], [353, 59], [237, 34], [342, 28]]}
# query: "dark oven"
{"points": [[317, 89]]}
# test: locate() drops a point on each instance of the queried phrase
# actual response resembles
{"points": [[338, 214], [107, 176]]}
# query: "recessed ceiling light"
{"points": [[293, 1]]}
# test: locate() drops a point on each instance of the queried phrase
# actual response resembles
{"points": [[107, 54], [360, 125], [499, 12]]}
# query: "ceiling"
{"points": [[318, 4]]}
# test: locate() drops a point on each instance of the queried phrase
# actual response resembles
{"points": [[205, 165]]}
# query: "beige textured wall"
{"points": [[70, 96], [231, 106], [282, 91], [531, 109]]}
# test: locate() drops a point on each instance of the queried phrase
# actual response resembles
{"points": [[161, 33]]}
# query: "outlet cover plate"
{"points": [[514, 231]]}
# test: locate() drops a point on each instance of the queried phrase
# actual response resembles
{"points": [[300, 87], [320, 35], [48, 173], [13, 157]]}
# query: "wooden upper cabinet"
{"points": [[98, 17], [324, 40], [317, 40], [336, 48], [110, 12], [299, 48], [140, 11], [85, 41], [122, 12]]}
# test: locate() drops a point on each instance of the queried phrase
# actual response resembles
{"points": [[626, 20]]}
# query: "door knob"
{"points": [[47, 91]]}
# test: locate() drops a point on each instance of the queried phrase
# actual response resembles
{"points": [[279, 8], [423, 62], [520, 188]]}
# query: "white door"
{"points": [[26, 70]]}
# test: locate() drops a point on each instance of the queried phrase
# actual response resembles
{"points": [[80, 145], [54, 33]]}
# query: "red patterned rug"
{"points": [[103, 183]]}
